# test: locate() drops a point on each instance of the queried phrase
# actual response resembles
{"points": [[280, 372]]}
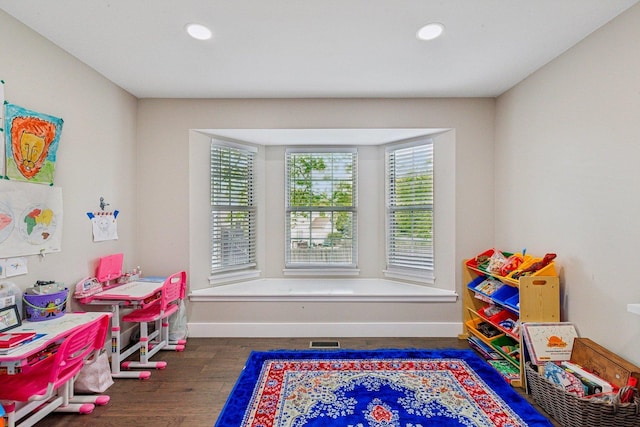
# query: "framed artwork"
{"points": [[9, 318], [32, 140]]}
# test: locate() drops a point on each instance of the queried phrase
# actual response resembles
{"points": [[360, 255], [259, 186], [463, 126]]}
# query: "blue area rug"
{"points": [[374, 388]]}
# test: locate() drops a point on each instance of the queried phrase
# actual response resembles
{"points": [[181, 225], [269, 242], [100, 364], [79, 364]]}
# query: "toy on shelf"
{"points": [[539, 265], [512, 263]]}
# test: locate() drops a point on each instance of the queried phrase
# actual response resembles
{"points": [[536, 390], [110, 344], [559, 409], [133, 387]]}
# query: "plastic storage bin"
{"points": [[39, 307]]}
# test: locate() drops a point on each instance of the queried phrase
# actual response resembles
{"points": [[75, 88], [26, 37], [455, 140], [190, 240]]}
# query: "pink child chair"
{"points": [[171, 294], [47, 386]]}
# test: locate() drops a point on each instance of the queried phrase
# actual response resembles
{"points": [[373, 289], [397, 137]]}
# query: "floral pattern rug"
{"points": [[376, 388]]}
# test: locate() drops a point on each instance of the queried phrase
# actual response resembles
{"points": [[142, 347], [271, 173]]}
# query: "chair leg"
{"points": [[171, 346], [96, 399], [144, 353], [69, 405]]}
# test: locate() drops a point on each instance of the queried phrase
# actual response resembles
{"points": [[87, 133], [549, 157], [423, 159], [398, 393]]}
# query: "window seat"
{"points": [[333, 290]]}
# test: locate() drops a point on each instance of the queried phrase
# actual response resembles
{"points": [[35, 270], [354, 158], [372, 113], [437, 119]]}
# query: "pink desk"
{"points": [[53, 331], [26, 357], [133, 294]]}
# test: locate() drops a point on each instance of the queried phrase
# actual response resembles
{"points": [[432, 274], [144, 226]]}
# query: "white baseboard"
{"points": [[293, 330]]}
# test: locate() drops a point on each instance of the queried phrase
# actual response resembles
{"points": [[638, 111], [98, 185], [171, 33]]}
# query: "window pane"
{"points": [[321, 208], [233, 214], [410, 207], [232, 236], [321, 238], [410, 239]]}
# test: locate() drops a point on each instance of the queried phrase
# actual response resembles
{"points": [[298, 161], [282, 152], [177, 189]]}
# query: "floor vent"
{"points": [[324, 344]]}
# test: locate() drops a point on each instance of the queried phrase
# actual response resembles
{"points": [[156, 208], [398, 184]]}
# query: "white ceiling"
{"points": [[317, 49]]}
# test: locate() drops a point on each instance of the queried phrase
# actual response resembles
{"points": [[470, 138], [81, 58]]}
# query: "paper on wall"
{"points": [[105, 225], [2, 125], [30, 219], [15, 266]]}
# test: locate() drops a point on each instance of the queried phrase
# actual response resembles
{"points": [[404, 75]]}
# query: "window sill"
{"points": [[324, 290], [234, 276]]}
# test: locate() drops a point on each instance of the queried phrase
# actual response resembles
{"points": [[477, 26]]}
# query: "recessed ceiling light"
{"points": [[430, 31], [199, 32]]}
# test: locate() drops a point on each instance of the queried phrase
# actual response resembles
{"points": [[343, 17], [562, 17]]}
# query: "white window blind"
{"points": [[409, 198], [321, 195], [233, 211]]}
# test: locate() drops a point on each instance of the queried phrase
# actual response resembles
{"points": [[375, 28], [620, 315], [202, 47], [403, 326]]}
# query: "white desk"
{"points": [[133, 294], [26, 356], [53, 330]]}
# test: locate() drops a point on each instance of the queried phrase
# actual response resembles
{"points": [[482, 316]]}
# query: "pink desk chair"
{"points": [[172, 293], [47, 386]]}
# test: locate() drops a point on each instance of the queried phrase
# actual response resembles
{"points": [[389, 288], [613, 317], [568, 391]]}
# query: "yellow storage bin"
{"points": [[475, 326]]}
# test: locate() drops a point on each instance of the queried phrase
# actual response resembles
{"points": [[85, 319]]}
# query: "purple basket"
{"points": [[46, 306]]}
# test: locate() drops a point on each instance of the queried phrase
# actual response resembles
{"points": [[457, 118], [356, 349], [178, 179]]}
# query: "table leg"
{"points": [[116, 349]]}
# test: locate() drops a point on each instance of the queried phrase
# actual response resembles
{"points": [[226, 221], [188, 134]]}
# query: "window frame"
{"points": [[316, 268]]}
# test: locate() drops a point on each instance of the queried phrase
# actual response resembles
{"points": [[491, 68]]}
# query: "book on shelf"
{"points": [[489, 286], [506, 369], [485, 350]]}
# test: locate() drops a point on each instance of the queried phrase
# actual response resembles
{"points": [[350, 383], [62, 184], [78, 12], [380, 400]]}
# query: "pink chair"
{"points": [[171, 294], [47, 386]]}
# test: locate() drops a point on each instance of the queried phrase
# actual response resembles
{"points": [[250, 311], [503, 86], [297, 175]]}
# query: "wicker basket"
{"points": [[572, 411]]}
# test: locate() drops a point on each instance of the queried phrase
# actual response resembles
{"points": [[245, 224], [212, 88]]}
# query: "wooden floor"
{"points": [[194, 387]]}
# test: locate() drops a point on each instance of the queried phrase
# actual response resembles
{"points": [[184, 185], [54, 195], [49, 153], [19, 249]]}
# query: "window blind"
{"points": [[233, 211], [409, 199], [321, 195]]}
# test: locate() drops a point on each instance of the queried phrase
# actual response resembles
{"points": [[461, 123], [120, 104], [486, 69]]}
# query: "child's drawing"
{"points": [[32, 219], [32, 144]]}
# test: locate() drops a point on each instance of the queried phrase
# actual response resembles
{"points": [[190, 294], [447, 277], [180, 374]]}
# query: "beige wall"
{"points": [[564, 167], [567, 177], [96, 155], [166, 142]]}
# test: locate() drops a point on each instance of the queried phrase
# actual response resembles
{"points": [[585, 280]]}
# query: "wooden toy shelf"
{"points": [[505, 303]]}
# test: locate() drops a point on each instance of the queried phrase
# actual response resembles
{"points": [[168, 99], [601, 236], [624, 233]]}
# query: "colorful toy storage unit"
{"points": [[494, 306]]}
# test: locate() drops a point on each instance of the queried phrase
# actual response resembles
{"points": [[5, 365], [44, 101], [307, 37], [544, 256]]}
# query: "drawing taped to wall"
{"points": [[104, 225], [13, 267], [32, 141], [30, 219]]}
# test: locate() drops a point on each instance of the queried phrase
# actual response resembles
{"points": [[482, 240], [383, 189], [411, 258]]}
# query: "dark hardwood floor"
{"points": [[194, 387]]}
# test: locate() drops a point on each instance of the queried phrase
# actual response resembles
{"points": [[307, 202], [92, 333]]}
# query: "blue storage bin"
{"points": [[513, 303], [504, 294], [475, 282]]}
